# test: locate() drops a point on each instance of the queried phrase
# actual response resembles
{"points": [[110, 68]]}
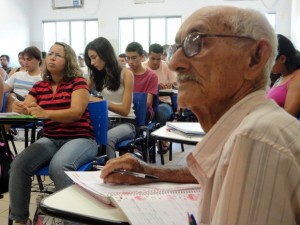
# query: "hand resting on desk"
{"points": [[131, 163]]}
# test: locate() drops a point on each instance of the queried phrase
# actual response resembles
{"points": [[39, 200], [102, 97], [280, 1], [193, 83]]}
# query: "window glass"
{"points": [[141, 32], [63, 32], [158, 31], [147, 31], [173, 25], [77, 39], [125, 33], [76, 33], [49, 31]]}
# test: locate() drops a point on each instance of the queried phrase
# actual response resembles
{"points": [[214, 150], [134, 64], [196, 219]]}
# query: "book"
{"points": [[151, 204], [186, 128]]}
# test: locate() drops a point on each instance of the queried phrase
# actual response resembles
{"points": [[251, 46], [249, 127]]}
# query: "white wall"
{"points": [[14, 34], [295, 24], [109, 11]]}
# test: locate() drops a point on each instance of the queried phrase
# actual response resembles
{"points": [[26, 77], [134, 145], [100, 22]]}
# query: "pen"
{"points": [[130, 173], [192, 220], [15, 98]]}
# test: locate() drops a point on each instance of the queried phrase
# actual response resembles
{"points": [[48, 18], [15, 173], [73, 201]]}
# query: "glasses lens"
{"points": [[170, 52], [192, 44]]}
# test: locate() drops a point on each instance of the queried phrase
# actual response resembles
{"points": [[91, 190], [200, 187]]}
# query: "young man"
{"points": [[145, 80], [166, 80], [248, 163], [5, 63]]}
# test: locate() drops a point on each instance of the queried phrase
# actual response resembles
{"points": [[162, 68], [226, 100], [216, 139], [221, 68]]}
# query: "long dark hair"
{"points": [[286, 48], [110, 76]]}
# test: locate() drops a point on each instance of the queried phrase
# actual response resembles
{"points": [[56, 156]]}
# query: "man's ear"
{"points": [[260, 54]]}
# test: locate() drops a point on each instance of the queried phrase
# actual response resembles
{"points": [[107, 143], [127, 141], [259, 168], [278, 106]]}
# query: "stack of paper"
{"points": [[186, 128]]}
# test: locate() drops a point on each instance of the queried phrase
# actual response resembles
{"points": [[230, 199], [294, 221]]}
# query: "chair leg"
{"points": [[161, 153], [170, 151], [9, 222], [40, 182], [182, 147]]}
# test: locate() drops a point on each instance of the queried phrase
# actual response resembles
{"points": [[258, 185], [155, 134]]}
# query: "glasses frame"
{"points": [[173, 48]]}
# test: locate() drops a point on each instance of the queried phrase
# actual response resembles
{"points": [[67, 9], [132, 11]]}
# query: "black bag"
{"points": [[6, 157]]}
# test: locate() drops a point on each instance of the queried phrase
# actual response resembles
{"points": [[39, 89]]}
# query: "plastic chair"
{"points": [[99, 118], [140, 110]]}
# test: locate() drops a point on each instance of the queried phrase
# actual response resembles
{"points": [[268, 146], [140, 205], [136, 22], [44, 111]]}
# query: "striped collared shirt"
{"points": [[248, 166]]}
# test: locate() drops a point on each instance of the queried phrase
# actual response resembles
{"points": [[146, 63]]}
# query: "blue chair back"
{"points": [[99, 118], [140, 107], [4, 101]]}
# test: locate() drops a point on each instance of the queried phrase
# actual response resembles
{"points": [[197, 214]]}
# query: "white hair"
{"points": [[252, 23]]}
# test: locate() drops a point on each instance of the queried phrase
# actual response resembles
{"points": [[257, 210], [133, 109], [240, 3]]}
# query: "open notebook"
{"points": [[154, 203], [186, 128]]}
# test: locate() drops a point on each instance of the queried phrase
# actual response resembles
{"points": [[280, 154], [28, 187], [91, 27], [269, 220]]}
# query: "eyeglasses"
{"points": [[133, 58], [55, 55], [192, 44]]}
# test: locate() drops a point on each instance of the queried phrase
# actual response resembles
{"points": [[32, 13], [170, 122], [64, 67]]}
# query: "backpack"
{"points": [[6, 157]]}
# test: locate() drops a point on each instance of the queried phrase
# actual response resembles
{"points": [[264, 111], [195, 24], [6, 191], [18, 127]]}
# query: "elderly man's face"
{"points": [[213, 77]]}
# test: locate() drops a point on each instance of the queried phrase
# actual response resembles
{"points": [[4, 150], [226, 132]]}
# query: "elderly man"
{"points": [[248, 164]]}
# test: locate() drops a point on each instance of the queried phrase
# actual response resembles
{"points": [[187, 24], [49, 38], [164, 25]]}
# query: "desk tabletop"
{"points": [[75, 204], [6, 118], [164, 134]]}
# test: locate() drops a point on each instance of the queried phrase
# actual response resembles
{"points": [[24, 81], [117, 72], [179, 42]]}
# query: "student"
{"points": [[247, 164], [145, 80], [115, 84], [22, 65], [20, 82], [68, 140], [122, 59], [286, 90], [166, 80], [4, 59]]}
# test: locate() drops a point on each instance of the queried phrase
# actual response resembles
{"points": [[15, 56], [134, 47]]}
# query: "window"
{"points": [[146, 31], [76, 33]]}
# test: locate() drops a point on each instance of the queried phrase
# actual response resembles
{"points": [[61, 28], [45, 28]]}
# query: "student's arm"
{"points": [[79, 102], [124, 108], [131, 163], [292, 102]]}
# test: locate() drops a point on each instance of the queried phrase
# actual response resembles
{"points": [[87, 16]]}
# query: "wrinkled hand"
{"points": [[126, 162], [37, 111]]}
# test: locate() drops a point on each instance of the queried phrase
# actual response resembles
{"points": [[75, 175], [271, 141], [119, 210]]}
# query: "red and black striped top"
{"points": [[43, 92]]}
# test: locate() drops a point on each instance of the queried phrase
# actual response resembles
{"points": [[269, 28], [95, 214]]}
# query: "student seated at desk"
{"points": [[145, 80], [166, 80], [115, 83], [68, 140], [248, 163]]}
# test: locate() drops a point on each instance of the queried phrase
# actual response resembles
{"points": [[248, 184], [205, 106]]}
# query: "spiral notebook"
{"points": [[154, 203]]}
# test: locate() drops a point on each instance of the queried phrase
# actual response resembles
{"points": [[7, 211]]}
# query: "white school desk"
{"points": [[162, 134], [73, 203]]}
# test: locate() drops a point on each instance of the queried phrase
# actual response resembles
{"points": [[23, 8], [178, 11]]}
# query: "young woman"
{"points": [[68, 139], [286, 90], [115, 84]]}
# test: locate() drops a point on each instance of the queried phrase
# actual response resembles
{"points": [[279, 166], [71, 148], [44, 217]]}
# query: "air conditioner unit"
{"points": [[63, 4]]}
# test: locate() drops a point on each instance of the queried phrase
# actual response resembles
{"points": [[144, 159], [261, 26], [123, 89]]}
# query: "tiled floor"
{"points": [[178, 159]]}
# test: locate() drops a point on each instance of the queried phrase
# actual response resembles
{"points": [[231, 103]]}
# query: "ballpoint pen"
{"points": [[192, 220], [130, 173]]}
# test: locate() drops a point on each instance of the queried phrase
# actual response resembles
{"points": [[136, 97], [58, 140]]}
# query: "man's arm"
{"points": [[131, 163]]}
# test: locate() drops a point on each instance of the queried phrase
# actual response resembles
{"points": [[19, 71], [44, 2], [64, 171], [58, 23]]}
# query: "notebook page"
{"points": [[163, 209], [91, 181]]}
